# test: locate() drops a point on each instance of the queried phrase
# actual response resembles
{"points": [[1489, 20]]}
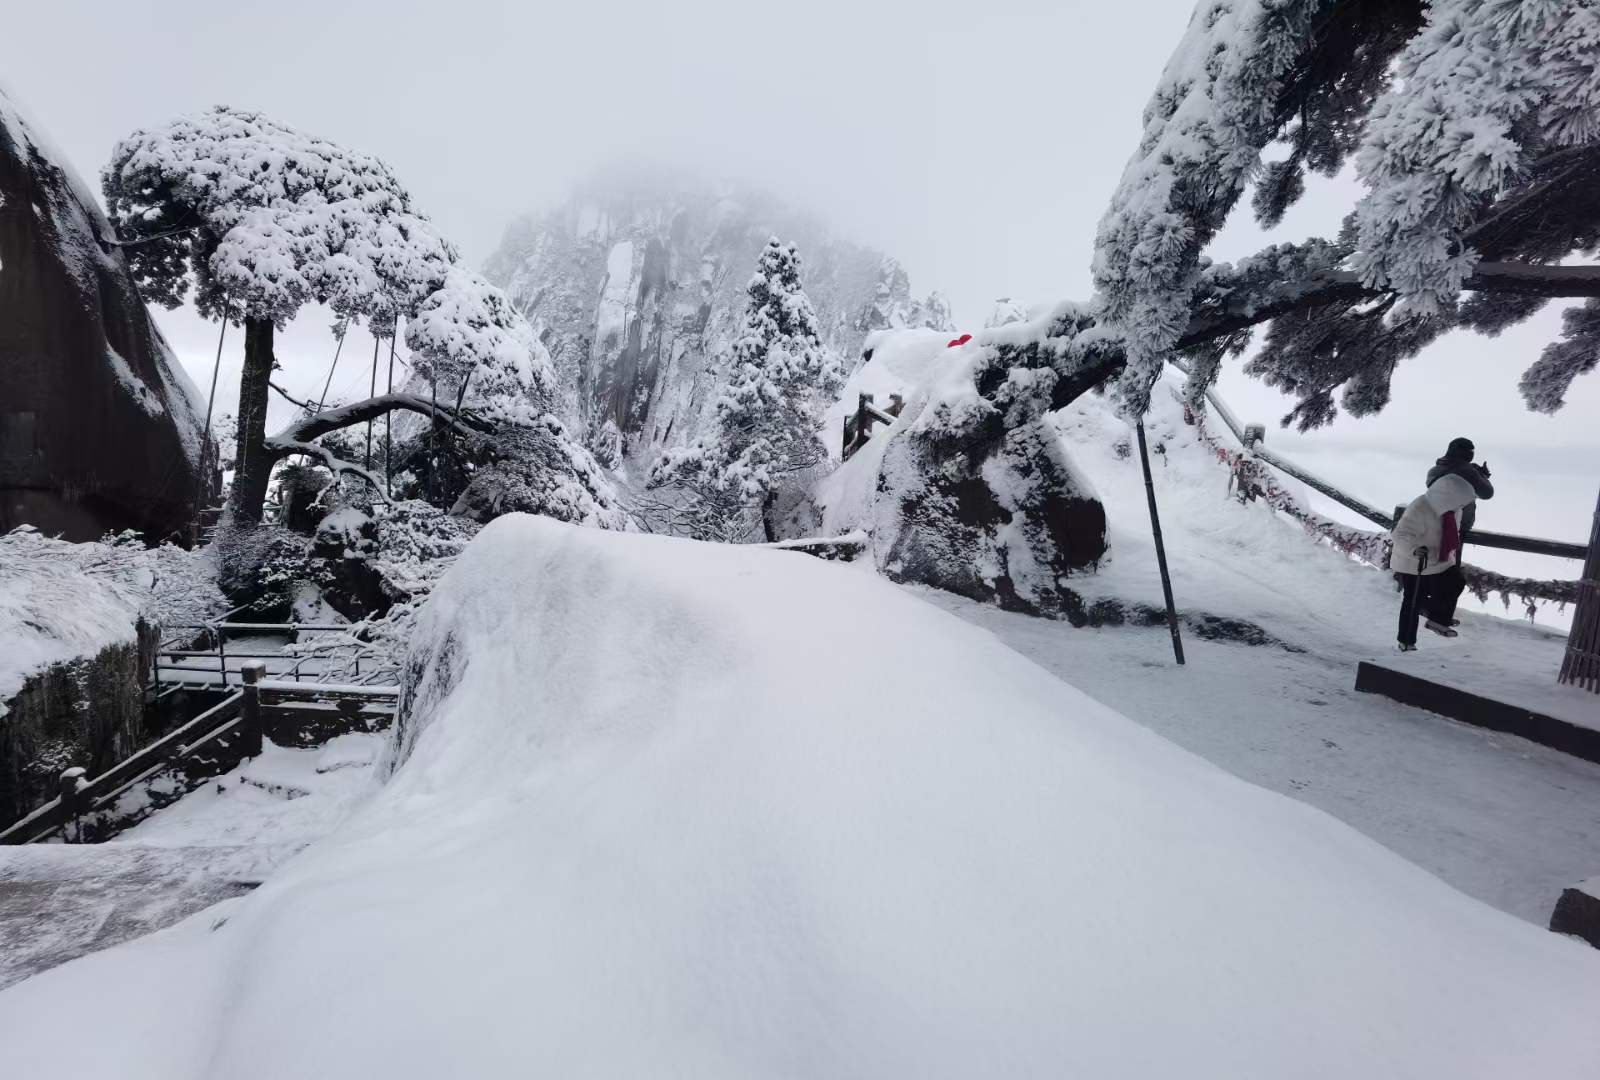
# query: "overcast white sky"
{"points": [[977, 142]]}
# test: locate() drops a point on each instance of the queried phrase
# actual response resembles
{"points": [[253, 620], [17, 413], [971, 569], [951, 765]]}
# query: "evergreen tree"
{"points": [[1475, 128], [781, 379], [260, 219]]}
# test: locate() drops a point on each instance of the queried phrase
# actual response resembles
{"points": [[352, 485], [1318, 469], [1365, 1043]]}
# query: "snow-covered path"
{"points": [[62, 901], [1500, 818]]}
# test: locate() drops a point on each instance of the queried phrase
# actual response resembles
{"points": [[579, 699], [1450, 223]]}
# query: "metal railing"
{"points": [[170, 673]]}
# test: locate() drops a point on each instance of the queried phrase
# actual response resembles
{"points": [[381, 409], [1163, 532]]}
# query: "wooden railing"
{"points": [[858, 427], [211, 743]]}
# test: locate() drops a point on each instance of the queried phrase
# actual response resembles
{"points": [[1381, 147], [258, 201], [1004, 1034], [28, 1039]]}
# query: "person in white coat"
{"points": [[1425, 543]]}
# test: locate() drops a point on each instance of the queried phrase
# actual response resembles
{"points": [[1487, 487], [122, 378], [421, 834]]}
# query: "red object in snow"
{"points": [[962, 340]]}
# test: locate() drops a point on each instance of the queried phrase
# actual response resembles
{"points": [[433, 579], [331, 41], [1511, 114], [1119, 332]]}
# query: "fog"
{"points": [[977, 143]]}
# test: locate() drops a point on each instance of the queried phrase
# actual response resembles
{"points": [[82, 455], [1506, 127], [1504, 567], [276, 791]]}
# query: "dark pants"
{"points": [[1443, 592], [1414, 589]]}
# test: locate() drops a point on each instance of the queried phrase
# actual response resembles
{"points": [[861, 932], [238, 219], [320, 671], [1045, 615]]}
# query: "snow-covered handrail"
{"points": [[1372, 547], [1532, 545]]}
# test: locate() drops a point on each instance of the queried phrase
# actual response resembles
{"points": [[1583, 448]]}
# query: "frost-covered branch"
{"points": [[283, 447], [318, 424]]}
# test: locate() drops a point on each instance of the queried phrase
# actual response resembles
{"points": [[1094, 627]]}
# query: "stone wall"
{"points": [[88, 712]]}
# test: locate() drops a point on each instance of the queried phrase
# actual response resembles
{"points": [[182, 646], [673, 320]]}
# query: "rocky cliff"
{"points": [[98, 425], [637, 286]]}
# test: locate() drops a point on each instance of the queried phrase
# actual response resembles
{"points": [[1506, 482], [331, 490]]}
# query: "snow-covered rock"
{"points": [[637, 286], [79, 624], [99, 426], [952, 494], [669, 808]]}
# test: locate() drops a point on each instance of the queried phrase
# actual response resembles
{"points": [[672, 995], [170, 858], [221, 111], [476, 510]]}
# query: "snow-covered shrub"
{"points": [[266, 569], [405, 547], [182, 581], [536, 467]]}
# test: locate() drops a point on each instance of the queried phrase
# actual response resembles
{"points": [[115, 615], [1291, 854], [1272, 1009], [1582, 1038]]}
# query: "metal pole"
{"points": [[388, 420], [1161, 549], [376, 341], [205, 432], [433, 453]]}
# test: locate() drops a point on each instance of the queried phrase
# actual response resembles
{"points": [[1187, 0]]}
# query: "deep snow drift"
{"points": [[667, 808]]}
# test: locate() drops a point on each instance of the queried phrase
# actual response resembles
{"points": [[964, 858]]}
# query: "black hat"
{"points": [[1460, 448]]}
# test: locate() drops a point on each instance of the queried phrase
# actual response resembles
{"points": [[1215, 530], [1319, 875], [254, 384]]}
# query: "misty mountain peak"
{"points": [[636, 284]]}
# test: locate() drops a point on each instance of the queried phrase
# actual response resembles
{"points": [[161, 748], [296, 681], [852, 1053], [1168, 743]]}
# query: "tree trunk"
{"points": [[252, 462], [1581, 666], [768, 503]]}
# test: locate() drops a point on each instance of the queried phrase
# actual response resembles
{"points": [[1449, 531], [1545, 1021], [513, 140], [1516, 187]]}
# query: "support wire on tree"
{"points": [[388, 421], [322, 402], [372, 392], [205, 432]]}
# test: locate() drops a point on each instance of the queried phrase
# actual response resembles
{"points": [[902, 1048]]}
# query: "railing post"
{"points": [[222, 657], [70, 794], [897, 404], [250, 707]]}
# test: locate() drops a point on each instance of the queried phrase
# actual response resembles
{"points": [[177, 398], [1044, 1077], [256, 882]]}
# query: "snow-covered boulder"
{"points": [[79, 624], [955, 493], [671, 808], [99, 428]]}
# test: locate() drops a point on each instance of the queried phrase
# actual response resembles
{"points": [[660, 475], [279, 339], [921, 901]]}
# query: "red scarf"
{"points": [[1450, 544]]}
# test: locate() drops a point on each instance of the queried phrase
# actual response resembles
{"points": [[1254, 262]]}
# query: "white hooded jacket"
{"points": [[1421, 526]]}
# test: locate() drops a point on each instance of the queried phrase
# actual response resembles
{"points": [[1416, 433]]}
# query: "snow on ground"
{"points": [[1500, 818], [61, 901], [671, 808], [1503, 819]]}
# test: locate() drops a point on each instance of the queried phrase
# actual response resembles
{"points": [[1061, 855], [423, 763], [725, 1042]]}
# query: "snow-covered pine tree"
{"points": [[1475, 127], [260, 219], [781, 379]]}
